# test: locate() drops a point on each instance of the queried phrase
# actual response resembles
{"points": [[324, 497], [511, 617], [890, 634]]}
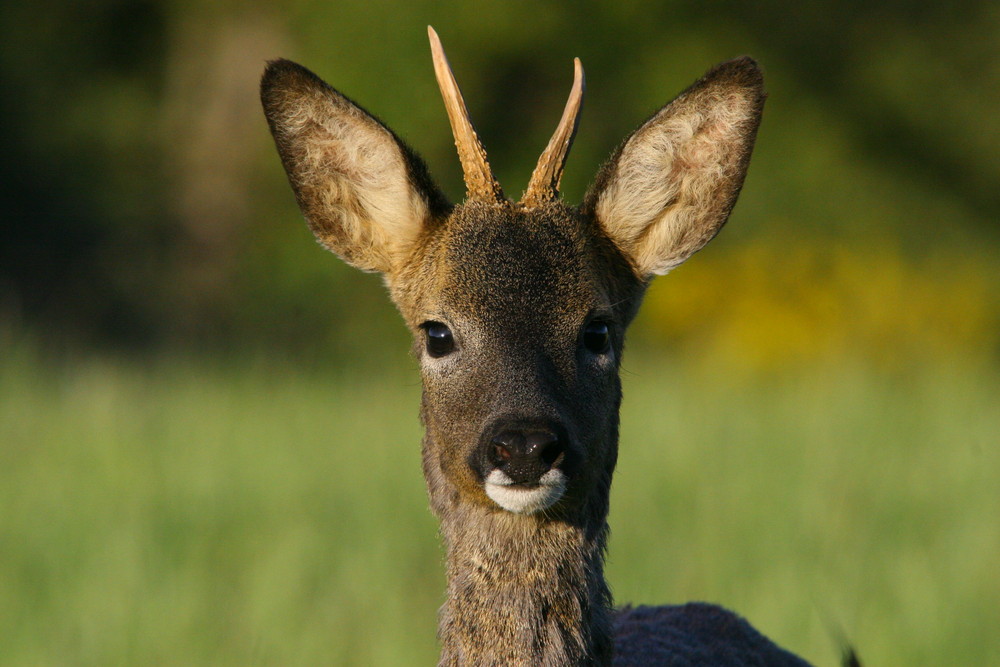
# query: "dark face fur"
{"points": [[536, 314]]}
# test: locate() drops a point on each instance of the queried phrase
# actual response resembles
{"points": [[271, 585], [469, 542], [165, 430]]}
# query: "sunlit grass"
{"points": [[838, 500], [185, 513]]}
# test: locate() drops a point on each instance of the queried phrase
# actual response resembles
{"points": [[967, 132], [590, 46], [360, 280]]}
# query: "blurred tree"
{"points": [[81, 188], [144, 204]]}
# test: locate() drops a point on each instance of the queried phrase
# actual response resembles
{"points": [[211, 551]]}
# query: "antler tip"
{"points": [[479, 179], [544, 183]]}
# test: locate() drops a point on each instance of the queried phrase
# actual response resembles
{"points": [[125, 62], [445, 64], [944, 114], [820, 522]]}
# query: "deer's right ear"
{"points": [[671, 185], [366, 196]]}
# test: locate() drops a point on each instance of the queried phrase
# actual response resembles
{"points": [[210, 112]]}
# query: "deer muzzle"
{"points": [[523, 464]]}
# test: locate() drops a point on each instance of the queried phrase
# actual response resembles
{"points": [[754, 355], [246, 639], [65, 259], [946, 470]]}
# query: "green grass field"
{"points": [[186, 513]]}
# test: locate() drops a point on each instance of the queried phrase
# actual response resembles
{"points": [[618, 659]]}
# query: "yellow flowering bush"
{"points": [[765, 307]]}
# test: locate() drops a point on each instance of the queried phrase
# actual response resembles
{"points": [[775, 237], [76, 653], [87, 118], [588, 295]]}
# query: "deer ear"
{"points": [[670, 187], [366, 196]]}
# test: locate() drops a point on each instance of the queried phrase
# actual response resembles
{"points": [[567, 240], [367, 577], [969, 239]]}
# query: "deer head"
{"points": [[518, 310]]}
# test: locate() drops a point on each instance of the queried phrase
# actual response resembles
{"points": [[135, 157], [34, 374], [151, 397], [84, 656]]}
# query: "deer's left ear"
{"points": [[670, 187], [366, 196]]}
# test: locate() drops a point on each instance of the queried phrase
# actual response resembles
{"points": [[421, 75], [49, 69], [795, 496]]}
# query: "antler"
{"points": [[544, 183], [479, 180]]}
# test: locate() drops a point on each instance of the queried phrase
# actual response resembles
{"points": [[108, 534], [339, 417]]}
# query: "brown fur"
{"points": [[516, 285]]}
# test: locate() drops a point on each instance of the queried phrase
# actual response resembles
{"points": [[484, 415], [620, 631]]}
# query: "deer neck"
{"points": [[525, 590]]}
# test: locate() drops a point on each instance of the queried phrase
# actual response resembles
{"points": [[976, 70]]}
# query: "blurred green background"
{"points": [[209, 446]]}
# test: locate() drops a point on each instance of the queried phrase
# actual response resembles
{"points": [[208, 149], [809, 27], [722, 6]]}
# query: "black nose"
{"points": [[525, 454]]}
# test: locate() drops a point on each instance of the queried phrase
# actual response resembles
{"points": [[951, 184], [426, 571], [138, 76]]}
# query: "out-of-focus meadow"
{"points": [[209, 445]]}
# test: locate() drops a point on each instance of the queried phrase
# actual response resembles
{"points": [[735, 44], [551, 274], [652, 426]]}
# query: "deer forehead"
{"points": [[502, 264]]}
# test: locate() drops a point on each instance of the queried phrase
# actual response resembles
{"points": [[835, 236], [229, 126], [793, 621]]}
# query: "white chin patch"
{"points": [[513, 498]]}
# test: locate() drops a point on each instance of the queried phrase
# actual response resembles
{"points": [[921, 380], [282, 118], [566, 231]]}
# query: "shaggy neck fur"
{"points": [[524, 590]]}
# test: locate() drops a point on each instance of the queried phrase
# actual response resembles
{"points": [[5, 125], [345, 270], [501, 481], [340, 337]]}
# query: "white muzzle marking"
{"points": [[513, 498]]}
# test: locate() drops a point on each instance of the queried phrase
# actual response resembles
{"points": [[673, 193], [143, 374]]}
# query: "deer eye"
{"points": [[439, 339], [597, 337]]}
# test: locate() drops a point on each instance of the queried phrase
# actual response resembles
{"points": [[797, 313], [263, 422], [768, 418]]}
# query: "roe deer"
{"points": [[518, 312]]}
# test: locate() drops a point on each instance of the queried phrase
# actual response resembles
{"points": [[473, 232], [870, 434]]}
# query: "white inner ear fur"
{"points": [[663, 201], [363, 206]]}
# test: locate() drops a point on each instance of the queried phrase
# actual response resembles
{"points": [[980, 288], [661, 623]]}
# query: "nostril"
{"points": [[501, 452], [552, 454]]}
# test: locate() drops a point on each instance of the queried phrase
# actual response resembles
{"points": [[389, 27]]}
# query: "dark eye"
{"points": [[439, 339], [597, 337]]}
